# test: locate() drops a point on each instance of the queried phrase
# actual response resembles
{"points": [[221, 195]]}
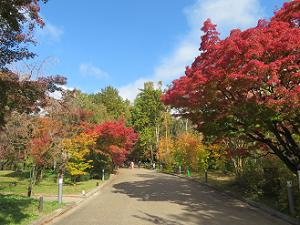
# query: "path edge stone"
{"points": [[264, 208]]}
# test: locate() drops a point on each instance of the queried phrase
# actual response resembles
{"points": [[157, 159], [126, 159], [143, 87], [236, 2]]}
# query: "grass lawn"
{"points": [[16, 209], [13, 183]]}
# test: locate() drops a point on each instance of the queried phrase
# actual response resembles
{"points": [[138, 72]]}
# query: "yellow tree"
{"points": [[77, 150], [165, 151], [190, 152]]}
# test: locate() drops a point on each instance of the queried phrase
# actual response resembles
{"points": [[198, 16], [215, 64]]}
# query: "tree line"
{"points": [[236, 109]]}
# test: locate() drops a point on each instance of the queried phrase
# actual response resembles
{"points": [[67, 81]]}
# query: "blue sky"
{"points": [[124, 43]]}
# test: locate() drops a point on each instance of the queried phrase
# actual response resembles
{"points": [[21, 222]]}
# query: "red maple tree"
{"points": [[247, 84], [42, 143], [114, 139]]}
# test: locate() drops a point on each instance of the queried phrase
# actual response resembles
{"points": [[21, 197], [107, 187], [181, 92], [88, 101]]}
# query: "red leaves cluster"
{"points": [[39, 148], [43, 140], [259, 65], [289, 13], [238, 152], [114, 139]]}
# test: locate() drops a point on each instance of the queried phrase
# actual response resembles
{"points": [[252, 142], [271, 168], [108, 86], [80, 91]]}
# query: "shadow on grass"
{"points": [[18, 174], [21, 175], [12, 208]]}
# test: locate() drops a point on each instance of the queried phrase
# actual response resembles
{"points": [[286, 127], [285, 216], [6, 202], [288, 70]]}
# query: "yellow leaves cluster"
{"points": [[45, 125], [216, 151], [77, 149], [190, 151], [186, 150], [166, 151]]}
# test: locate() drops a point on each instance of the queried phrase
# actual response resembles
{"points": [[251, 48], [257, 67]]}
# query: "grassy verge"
{"points": [[12, 183], [229, 182], [217, 178], [15, 209]]}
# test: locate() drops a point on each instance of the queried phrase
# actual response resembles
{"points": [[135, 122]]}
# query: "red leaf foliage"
{"points": [[259, 65], [115, 139], [39, 147], [43, 139]]}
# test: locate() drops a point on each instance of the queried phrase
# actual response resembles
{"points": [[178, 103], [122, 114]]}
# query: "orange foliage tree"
{"points": [[44, 143], [190, 152], [165, 151]]}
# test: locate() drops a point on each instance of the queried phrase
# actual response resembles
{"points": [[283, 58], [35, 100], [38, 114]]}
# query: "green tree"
{"points": [[88, 103], [146, 119], [113, 102]]}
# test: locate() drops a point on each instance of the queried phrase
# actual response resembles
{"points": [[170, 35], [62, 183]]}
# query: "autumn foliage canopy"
{"points": [[247, 84]]}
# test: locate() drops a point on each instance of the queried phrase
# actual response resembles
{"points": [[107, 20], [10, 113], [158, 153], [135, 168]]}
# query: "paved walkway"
{"points": [[142, 197]]}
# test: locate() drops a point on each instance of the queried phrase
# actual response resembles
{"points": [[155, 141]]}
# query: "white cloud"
{"points": [[174, 64], [131, 90], [58, 94], [227, 14], [51, 31], [88, 69]]}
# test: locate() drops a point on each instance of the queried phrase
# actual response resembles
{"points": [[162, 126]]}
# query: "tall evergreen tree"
{"points": [[146, 119], [115, 105]]}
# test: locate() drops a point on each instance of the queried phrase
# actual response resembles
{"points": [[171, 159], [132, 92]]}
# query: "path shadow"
{"points": [[145, 175], [156, 219], [201, 204]]}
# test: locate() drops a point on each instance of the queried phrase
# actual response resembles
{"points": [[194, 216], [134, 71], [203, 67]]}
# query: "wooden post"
{"points": [[299, 178], [29, 191], [41, 204], [290, 198]]}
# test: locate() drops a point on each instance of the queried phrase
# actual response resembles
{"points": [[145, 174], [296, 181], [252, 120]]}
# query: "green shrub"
{"points": [[252, 179], [85, 177]]}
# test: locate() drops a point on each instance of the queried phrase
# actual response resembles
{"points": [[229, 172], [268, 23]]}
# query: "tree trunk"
{"points": [[32, 181], [151, 152], [281, 149]]}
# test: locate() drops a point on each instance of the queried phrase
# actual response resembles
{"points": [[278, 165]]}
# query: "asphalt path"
{"points": [[142, 197]]}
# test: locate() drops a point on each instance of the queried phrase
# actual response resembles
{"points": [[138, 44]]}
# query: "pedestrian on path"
{"points": [[131, 164]]}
